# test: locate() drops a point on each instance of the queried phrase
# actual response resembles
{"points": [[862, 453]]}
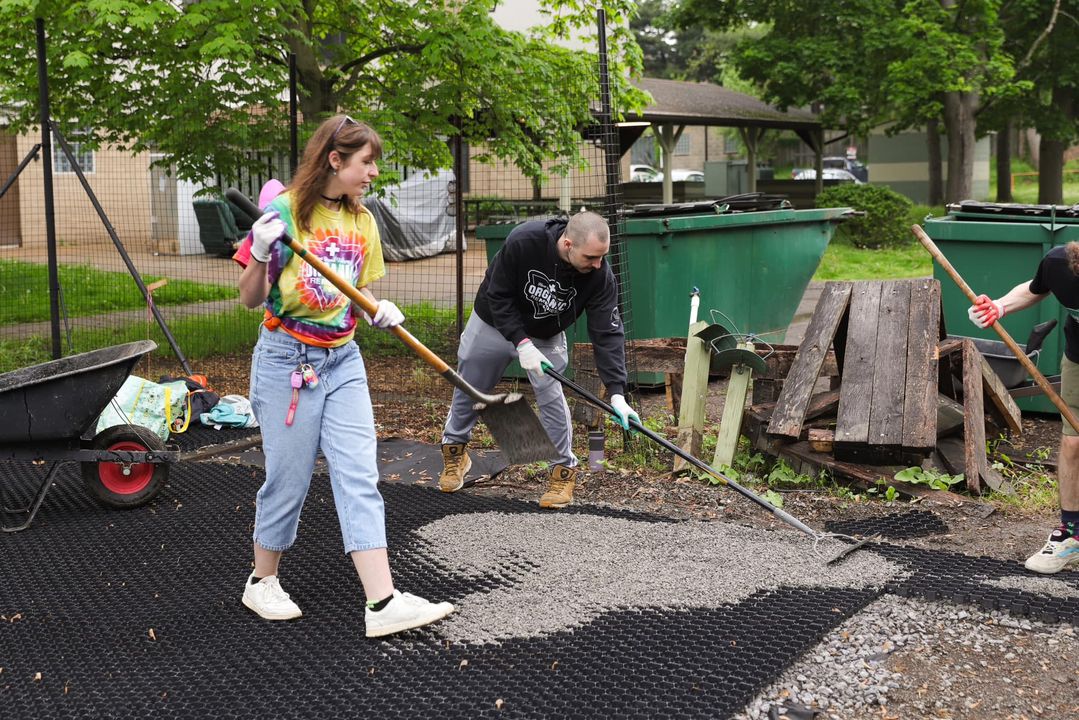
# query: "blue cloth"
{"points": [[225, 414]]}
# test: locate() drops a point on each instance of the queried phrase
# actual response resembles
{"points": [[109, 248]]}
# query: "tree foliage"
{"points": [[203, 82]]}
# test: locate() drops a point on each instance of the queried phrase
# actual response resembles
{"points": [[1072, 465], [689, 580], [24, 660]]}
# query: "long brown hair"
{"points": [[347, 137]]}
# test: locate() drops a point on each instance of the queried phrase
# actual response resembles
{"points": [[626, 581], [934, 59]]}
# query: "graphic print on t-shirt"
{"points": [[343, 256], [548, 297]]}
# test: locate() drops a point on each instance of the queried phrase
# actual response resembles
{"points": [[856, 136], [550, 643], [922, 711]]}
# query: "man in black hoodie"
{"points": [[546, 275]]}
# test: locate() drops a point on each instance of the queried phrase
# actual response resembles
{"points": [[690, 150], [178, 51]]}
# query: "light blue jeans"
{"points": [[335, 415]]}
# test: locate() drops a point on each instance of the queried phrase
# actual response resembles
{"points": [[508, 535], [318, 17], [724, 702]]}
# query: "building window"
{"points": [[682, 146], [84, 155]]}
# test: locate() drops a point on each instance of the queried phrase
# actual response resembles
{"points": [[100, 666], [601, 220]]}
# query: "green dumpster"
{"points": [[751, 266], [994, 248]]}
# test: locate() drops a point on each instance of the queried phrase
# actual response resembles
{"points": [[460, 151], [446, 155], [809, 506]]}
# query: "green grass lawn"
{"points": [[24, 291], [843, 261]]}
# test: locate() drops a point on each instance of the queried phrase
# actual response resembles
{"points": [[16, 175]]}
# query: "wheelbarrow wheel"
{"points": [[125, 486]]}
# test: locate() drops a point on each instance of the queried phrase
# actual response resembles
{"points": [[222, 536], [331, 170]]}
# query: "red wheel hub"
{"points": [[136, 477]]}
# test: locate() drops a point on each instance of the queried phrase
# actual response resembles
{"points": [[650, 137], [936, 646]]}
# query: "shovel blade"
{"points": [[517, 430]]}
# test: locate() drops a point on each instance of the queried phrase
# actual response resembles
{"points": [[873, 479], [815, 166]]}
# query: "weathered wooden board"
{"points": [[889, 366], [798, 388], [852, 425], [974, 425], [920, 403], [1003, 404]]}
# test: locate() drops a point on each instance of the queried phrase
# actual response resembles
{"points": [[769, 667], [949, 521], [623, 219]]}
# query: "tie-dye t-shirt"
{"points": [[307, 305]]}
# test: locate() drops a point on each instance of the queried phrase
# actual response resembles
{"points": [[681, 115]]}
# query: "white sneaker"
{"points": [[404, 612], [1059, 552], [267, 600]]}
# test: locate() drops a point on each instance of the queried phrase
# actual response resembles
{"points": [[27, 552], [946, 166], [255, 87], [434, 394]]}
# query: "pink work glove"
{"points": [[984, 312]]}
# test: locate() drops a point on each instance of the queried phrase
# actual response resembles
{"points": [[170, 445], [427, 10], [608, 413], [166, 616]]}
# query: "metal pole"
{"points": [[293, 140], [32, 155], [458, 184], [50, 213]]}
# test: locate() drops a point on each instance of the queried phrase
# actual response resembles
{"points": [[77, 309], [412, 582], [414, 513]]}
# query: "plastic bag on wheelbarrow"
{"points": [[143, 402]]}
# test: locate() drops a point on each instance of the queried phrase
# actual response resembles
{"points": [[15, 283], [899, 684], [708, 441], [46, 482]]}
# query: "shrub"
{"points": [[886, 222]]}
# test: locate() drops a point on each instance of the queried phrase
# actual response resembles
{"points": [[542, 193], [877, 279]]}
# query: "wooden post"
{"points": [[730, 426], [694, 394]]}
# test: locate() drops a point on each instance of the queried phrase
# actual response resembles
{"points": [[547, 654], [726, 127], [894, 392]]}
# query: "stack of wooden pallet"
{"points": [[876, 383]]}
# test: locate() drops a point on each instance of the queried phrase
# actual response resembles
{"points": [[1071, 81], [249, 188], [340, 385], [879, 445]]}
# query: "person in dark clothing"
{"points": [[546, 275], [1058, 274]]}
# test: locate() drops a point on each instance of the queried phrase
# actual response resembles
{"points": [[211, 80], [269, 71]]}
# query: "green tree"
{"points": [[864, 63], [202, 82]]}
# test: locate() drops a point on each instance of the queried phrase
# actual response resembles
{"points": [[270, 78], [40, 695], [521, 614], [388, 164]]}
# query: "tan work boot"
{"points": [[559, 487], [455, 465]]}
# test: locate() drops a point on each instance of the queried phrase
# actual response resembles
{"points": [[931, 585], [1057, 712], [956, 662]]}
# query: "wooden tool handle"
{"points": [[1050, 393], [365, 303]]}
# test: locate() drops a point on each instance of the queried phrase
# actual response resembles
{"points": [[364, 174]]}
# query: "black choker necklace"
{"points": [[340, 200]]}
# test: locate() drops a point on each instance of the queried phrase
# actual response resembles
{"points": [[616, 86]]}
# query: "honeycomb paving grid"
{"points": [[911, 524], [89, 584]]}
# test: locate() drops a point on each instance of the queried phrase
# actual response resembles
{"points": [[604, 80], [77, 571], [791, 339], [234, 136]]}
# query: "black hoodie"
{"points": [[529, 291]]}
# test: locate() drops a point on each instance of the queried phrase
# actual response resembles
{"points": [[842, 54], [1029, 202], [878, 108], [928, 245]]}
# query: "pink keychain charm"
{"points": [[296, 381]]}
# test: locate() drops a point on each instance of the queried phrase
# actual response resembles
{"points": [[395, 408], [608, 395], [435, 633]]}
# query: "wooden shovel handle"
{"points": [[933, 250], [369, 307], [365, 303]]}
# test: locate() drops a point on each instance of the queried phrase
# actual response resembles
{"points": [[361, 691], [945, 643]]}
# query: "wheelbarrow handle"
{"points": [[1020, 355]]}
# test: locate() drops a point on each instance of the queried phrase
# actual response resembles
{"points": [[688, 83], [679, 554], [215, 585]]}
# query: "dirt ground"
{"points": [[978, 527]]}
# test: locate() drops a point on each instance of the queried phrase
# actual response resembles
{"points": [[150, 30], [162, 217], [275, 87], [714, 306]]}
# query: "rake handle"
{"points": [[1021, 356], [700, 464], [365, 303]]}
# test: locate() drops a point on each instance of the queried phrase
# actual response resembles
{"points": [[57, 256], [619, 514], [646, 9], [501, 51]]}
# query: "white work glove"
{"points": [[625, 412], [265, 231], [532, 360], [387, 316], [984, 312]]}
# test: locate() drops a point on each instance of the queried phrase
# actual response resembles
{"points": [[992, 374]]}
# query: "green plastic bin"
{"points": [[752, 266], [993, 254]]}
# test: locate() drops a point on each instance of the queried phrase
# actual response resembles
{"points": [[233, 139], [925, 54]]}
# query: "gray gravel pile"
{"points": [[566, 569], [847, 675]]}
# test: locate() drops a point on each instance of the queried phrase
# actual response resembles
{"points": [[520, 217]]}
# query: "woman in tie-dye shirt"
{"points": [[308, 382]]}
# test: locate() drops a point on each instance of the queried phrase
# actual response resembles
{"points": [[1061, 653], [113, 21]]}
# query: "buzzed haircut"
{"points": [[584, 224]]}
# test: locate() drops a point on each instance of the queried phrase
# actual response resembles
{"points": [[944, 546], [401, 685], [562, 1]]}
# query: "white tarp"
{"points": [[414, 217]]}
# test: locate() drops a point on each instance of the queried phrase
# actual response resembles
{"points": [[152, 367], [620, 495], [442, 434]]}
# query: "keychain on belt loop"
{"points": [[303, 376]]}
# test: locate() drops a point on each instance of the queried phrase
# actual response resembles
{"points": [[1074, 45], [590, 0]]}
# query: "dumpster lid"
{"points": [[1012, 212], [746, 202]]}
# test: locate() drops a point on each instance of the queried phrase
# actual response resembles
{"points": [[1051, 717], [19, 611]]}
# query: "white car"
{"points": [[827, 174], [644, 173], [687, 175]]}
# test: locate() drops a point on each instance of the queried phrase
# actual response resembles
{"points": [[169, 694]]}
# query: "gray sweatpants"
{"points": [[482, 357]]}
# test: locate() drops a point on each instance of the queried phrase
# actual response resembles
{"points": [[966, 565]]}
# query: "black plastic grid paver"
{"points": [[87, 585]]}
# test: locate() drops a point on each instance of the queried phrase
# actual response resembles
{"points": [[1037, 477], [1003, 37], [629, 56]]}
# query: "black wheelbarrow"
{"points": [[49, 412]]}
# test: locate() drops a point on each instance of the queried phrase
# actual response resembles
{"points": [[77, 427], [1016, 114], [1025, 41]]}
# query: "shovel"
{"points": [[723, 479], [508, 416]]}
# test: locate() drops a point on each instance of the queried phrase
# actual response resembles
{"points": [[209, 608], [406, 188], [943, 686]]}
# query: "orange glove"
{"points": [[984, 312]]}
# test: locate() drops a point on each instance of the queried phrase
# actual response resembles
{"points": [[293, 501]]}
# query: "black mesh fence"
{"points": [[141, 253]]}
